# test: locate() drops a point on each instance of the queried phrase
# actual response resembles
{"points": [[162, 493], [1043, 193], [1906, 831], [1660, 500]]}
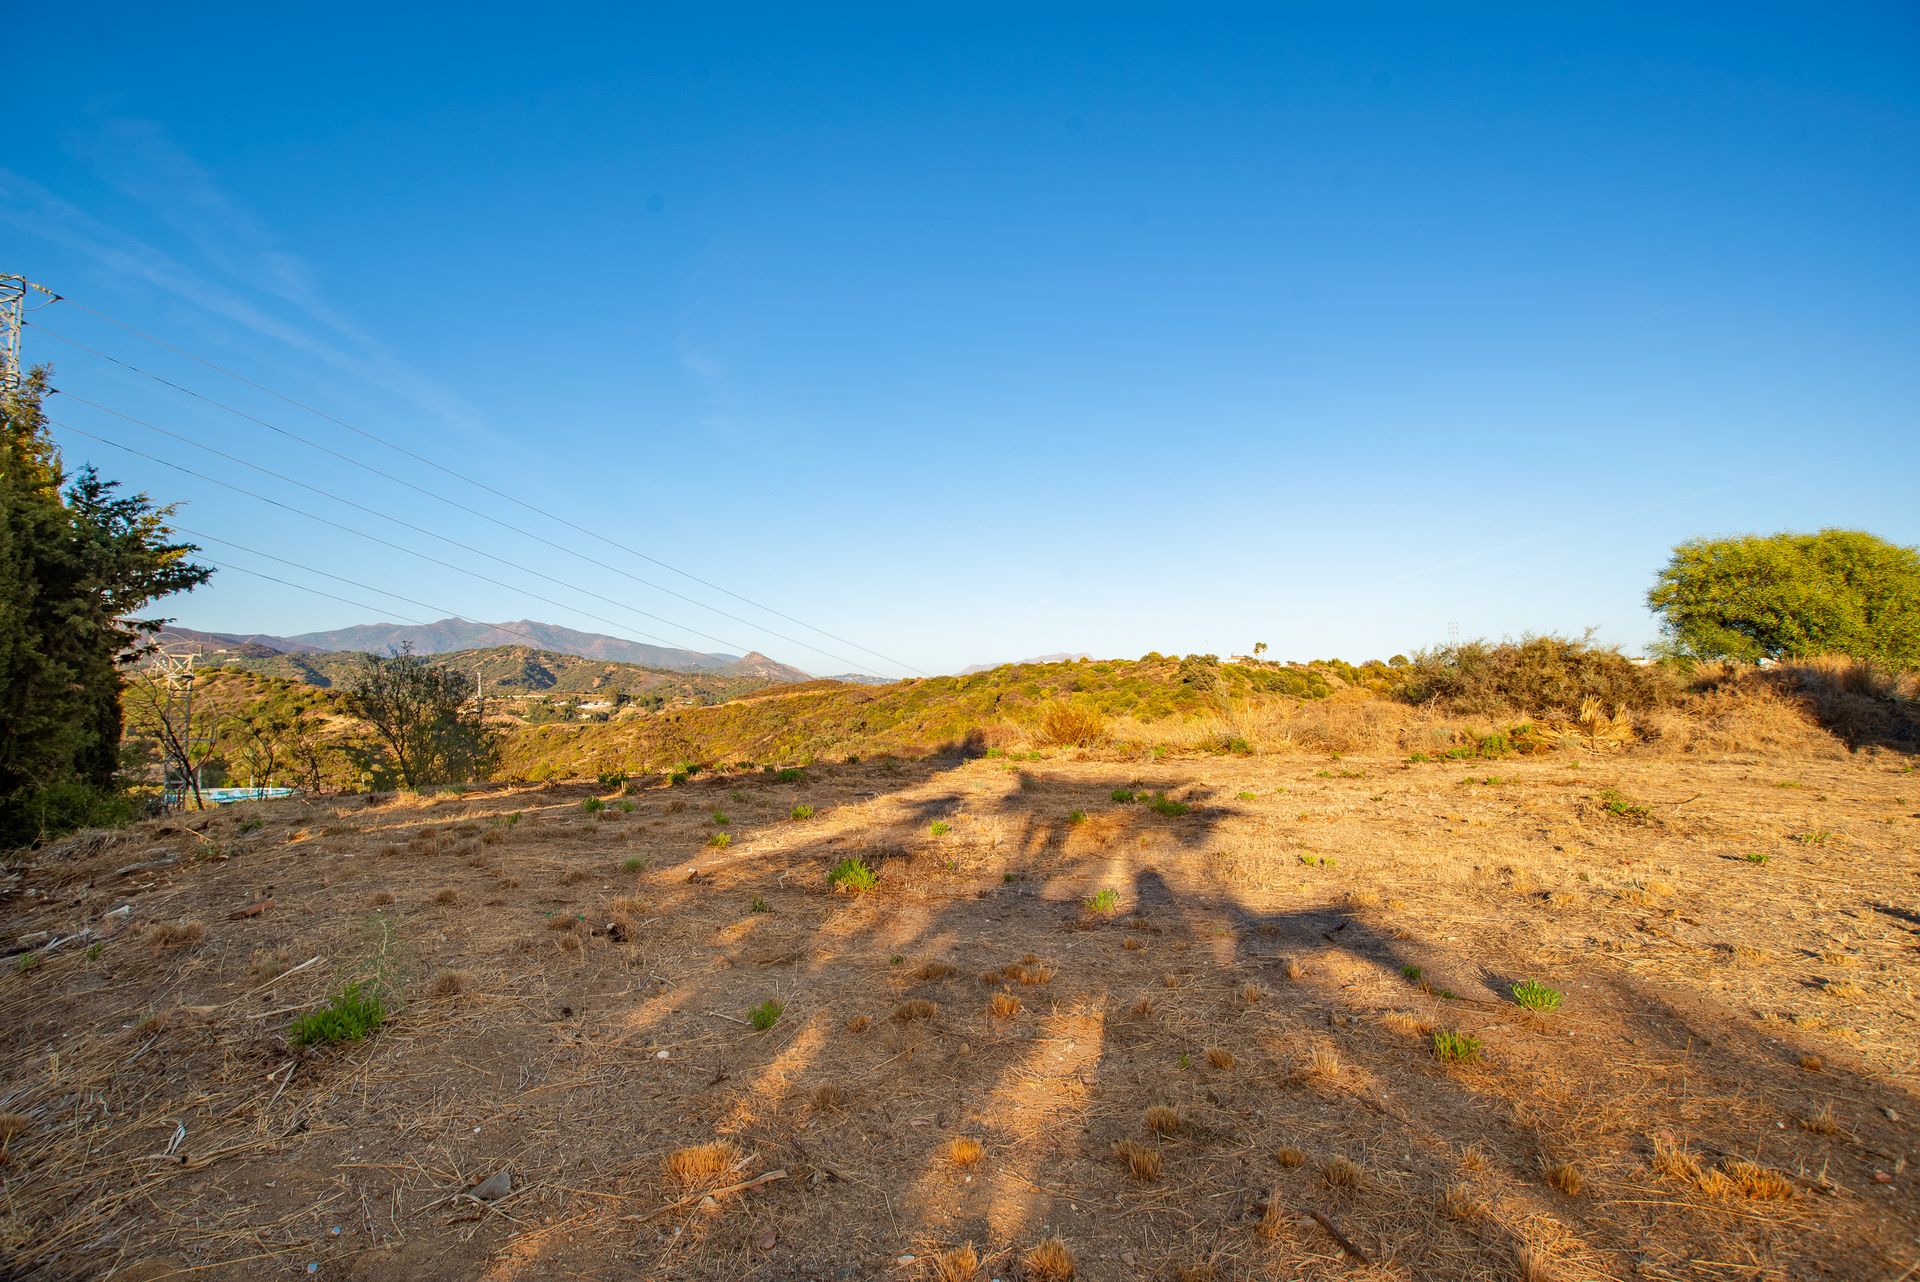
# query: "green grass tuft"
{"points": [[801, 812], [1106, 901], [939, 827], [1536, 996], [853, 875], [1453, 1047], [354, 1013], [766, 1014]]}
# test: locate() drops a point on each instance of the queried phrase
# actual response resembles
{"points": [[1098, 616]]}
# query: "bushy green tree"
{"points": [[77, 560], [425, 715], [1784, 596]]}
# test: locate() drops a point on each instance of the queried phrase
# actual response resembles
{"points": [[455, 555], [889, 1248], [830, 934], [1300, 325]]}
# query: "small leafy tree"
{"points": [[1784, 596], [425, 715]]}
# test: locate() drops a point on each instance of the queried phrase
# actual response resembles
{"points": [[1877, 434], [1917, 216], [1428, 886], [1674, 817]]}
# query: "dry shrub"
{"points": [[964, 1150], [177, 934], [933, 970], [702, 1162], [449, 983], [1163, 1120], [1141, 1008], [1067, 725], [829, 1097], [1141, 1162], [1459, 1203], [1220, 1057], [915, 1009], [1537, 676], [961, 1264], [1532, 1263], [1564, 1176], [1131, 944], [569, 943], [1473, 1158], [446, 895], [1289, 1156], [1251, 993], [1006, 1005], [1343, 1173], [1198, 1271], [1049, 1261], [858, 1024], [379, 899]]}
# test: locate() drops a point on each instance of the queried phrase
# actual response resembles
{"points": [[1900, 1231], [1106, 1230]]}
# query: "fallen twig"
{"points": [[1346, 1243], [692, 1198]]}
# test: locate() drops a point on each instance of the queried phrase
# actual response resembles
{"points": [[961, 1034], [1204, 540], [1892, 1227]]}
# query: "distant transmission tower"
{"points": [[175, 672], [1453, 636], [13, 313]]}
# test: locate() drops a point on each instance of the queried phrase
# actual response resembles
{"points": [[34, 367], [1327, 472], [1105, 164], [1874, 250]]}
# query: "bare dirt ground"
{"points": [[1728, 1091]]}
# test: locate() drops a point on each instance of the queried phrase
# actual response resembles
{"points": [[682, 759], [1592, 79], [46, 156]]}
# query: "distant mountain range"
{"points": [[451, 635], [1038, 658]]}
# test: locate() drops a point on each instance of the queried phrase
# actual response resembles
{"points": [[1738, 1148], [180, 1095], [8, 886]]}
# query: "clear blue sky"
{"points": [[980, 333]]}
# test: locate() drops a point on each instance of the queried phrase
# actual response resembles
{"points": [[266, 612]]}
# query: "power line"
{"points": [[482, 485], [432, 494], [372, 538], [418, 529]]}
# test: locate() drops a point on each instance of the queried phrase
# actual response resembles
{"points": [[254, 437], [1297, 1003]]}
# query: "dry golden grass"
{"points": [[1196, 1271], [959, 1264], [1005, 1005], [449, 983], [1142, 1163], [935, 970], [380, 899], [1343, 1173], [177, 934], [1532, 1263], [12, 1125], [1049, 1261], [964, 1150], [446, 895], [1821, 1121], [1141, 1008], [1756, 1182], [1220, 1057], [701, 1163], [1459, 1202], [1322, 1063], [1296, 970], [1131, 944], [915, 1008], [1273, 1218], [1251, 993], [829, 1097], [1563, 1176], [859, 1024], [1289, 1156], [1163, 1120], [1675, 1160]]}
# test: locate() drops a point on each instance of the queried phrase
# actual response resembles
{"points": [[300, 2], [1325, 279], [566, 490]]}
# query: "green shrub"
{"points": [[593, 805], [721, 840], [939, 828], [793, 774], [635, 864], [721, 818], [801, 812], [757, 905], [1076, 816], [1243, 795], [611, 779], [1536, 996], [627, 807], [1164, 805], [1453, 1047], [853, 875], [1411, 972], [354, 1012], [1125, 796], [1106, 901], [766, 1014], [1614, 803], [1755, 857]]}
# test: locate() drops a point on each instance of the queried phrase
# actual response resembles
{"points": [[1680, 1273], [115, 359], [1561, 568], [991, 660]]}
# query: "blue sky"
{"points": [[975, 333]]}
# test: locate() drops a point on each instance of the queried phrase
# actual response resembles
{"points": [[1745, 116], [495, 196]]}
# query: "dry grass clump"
{"points": [[1759, 1183], [1459, 1203], [12, 1125], [1251, 993], [916, 1008], [702, 1162], [1273, 1219], [1163, 1120], [1343, 1173], [569, 942], [829, 1097], [177, 934], [446, 895], [1141, 1162], [933, 970], [1220, 1057], [1131, 944], [1289, 1156], [1296, 969], [1675, 1160], [858, 1024], [1321, 1064], [1141, 1008], [1821, 1121], [964, 1150], [1198, 1271], [561, 921], [1532, 1263], [1069, 725], [449, 983], [267, 963], [380, 899], [1032, 971], [961, 1264], [1564, 1176], [1049, 1261], [1006, 1005]]}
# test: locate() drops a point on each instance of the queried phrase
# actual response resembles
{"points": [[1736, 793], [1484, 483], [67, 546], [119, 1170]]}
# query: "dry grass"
{"points": [[1273, 1218], [1459, 1202], [1289, 1156], [964, 1150], [1343, 1173], [702, 1163], [12, 1125], [446, 895], [914, 1009], [935, 970], [859, 1024], [1049, 1261], [1675, 1160], [1142, 1162], [1163, 1120], [959, 1264], [1564, 1177], [829, 1097], [1821, 1121], [1756, 1182], [450, 983], [1005, 1005], [177, 934], [1221, 1058]]}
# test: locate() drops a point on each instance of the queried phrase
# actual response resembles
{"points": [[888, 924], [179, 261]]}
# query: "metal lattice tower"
{"points": [[175, 672], [13, 316]]}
